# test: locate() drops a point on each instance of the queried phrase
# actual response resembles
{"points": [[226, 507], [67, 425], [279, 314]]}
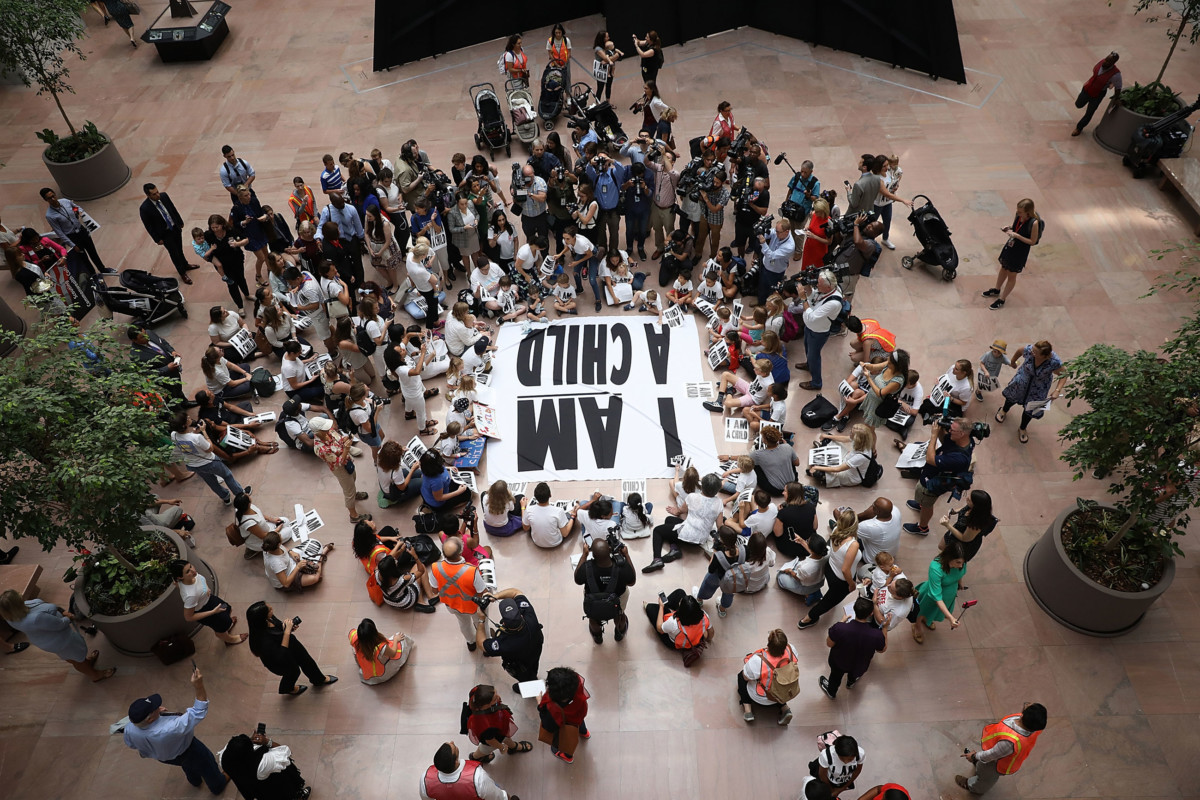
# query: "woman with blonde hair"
{"points": [[816, 239], [854, 466], [501, 510], [420, 268], [839, 569], [1025, 231], [49, 628], [462, 329]]}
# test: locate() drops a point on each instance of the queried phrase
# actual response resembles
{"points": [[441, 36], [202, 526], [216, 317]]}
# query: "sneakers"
{"points": [[914, 528], [748, 716], [802, 625], [842, 423], [913, 504], [828, 428], [785, 716], [629, 307], [597, 306], [888, 245], [839, 332], [824, 684], [813, 598], [992, 293], [228, 499], [560, 755], [696, 592], [721, 611], [713, 406], [996, 306], [979, 395]]}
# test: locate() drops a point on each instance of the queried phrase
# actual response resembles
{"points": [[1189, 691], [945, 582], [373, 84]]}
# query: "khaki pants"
{"points": [[713, 232], [349, 489], [660, 225], [467, 623]]}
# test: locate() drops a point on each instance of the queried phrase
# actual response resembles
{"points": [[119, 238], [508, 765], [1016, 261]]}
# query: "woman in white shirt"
{"points": [[839, 570], [255, 525], [222, 377], [854, 466], [958, 384], [805, 575], [279, 326], [201, 605], [419, 265], [222, 327], [503, 240], [462, 329], [383, 248], [484, 280], [585, 217], [283, 568], [702, 515], [293, 368]]}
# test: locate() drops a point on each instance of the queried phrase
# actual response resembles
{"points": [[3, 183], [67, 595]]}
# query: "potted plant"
{"points": [[82, 435], [36, 37], [1099, 568], [1138, 105]]}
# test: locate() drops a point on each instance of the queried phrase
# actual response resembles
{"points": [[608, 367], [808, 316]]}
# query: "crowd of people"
{"points": [[347, 339]]}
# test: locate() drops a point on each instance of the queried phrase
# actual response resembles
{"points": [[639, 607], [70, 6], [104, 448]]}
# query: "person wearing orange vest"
{"points": [[1004, 747], [457, 582], [452, 779], [755, 678], [887, 791], [681, 622], [873, 339], [1104, 74], [379, 658]]}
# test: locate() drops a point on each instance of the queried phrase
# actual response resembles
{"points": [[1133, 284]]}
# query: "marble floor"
{"points": [[293, 81]]}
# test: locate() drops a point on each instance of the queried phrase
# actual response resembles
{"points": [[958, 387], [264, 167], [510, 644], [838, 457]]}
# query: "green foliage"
{"points": [[1133, 564], [1180, 14], [78, 450], [76, 147], [35, 38], [1154, 99], [113, 589], [1137, 431]]}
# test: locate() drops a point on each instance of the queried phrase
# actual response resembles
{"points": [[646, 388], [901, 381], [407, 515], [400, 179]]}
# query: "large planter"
{"points": [[1117, 126], [1075, 600], [95, 176], [10, 321], [135, 634]]}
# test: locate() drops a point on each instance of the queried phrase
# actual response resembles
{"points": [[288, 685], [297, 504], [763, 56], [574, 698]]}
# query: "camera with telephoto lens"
{"points": [[383, 401], [518, 176], [763, 226], [615, 543], [689, 178], [435, 178], [809, 277], [844, 225], [737, 148]]}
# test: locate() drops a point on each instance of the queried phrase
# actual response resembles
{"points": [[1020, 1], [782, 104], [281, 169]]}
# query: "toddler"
{"points": [[201, 247], [991, 362], [564, 296]]}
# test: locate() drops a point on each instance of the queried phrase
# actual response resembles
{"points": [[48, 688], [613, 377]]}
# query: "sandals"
{"points": [[1022, 437], [241, 638], [108, 673], [428, 430], [899, 445], [918, 637], [187, 537], [434, 392], [1001, 415], [522, 747], [489, 758], [410, 415]]}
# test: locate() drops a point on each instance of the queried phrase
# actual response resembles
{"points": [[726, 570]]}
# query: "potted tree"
{"points": [[1099, 568], [82, 435], [1138, 105], [35, 40]]}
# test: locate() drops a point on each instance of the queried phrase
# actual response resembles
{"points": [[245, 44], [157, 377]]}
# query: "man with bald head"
{"points": [[457, 583], [878, 530], [605, 578]]}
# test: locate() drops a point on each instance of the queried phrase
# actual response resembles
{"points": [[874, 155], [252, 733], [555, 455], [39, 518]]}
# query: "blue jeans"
{"points": [[885, 215], [709, 586], [767, 283], [637, 228], [217, 469], [813, 342], [393, 494], [591, 264], [199, 765]]}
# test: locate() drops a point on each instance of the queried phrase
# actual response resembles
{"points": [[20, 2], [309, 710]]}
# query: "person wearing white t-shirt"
{"points": [[762, 520], [548, 525], [879, 530], [958, 384], [754, 681], [682, 293], [284, 569], [201, 605], [528, 264], [564, 296], [650, 300], [485, 278], [805, 576], [198, 457], [581, 261], [894, 602], [840, 764], [255, 525]]}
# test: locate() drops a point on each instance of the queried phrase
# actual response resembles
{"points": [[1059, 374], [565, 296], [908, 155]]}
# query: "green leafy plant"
{"points": [[114, 589], [36, 37], [1139, 432], [1153, 99], [82, 436], [1185, 12], [82, 144]]}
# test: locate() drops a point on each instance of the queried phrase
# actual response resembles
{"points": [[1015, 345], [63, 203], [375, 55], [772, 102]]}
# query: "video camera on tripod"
{"points": [[691, 182]]}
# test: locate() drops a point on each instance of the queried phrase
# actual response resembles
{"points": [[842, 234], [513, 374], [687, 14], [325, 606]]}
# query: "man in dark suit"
{"points": [[165, 227], [156, 353]]}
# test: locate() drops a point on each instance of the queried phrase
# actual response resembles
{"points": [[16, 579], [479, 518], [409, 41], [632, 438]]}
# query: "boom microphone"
{"points": [[779, 158]]}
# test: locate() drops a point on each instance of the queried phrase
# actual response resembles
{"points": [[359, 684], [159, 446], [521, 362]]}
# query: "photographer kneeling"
{"points": [[947, 468], [518, 640], [261, 768], [606, 578]]}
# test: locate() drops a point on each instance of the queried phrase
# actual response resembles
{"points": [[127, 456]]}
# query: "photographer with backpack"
{"points": [[947, 464], [769, 678], [606, 578]]}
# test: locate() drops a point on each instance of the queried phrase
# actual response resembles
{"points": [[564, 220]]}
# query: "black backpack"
{"points": [[873, 473], [366, 345], [598, 603], [817, 412]]}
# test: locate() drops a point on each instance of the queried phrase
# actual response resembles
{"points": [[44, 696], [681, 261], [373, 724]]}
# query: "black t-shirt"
{"points": [[231, 258], [797, 520], [523, 646], [971, 548], [763, 200], [614, 578]]}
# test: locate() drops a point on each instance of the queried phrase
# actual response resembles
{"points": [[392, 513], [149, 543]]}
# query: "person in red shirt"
{"points": [[562, 710], [1104, 74]]}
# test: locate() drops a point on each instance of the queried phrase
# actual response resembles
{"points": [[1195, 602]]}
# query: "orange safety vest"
{"points": [[689, 635], [519, 66], [873, 330], [1021, 744], [768, 668], [373, 667], [453, 590], [370, 563], [558, 55], [303, 211]]}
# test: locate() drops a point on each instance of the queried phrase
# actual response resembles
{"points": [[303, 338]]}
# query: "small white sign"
{"points": [[829, 455], [737, 430], [913, 455], [242, 342], [600, 70]]}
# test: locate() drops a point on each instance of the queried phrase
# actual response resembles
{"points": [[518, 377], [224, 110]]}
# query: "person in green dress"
{"points": [[936, 596]]}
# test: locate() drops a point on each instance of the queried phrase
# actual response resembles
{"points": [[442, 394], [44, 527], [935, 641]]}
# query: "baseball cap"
{"points": [[291, 407], [1000, 345], [461, 404], [510, 615], [321, 423], [143, 707]]}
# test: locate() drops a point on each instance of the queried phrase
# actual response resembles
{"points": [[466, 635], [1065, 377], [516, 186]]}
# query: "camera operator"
{"points": [[678, 259], [862, 257], [752, 205], [803, 189], [534, 217], [605, 578], [777, 252], [751, 166], [644, 148], [560, 198], [262, 768], [823, 305], [691, 210], [518, 640], [407, 173], [607, 177], [943, 465], [662, 207], [715, 200], [543, 163], [638, 188]]}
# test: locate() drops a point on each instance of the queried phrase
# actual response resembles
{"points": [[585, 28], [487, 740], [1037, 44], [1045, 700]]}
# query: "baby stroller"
{"points": [[598, 116], [520, 105], [147, 298], [934, 236], [550, 104], [493, 133]]}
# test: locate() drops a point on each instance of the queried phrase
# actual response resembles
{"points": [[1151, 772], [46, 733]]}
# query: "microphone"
{"points": [[779, 158]]}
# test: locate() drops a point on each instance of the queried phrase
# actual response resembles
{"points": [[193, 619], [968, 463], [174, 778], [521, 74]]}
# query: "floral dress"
{"points": [[1032, 383]]}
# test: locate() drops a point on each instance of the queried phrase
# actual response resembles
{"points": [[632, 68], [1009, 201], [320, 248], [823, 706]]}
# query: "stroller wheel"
{"points": [[508, 150], [478, 142], [949, 274], [549, 124], [906, 262]]}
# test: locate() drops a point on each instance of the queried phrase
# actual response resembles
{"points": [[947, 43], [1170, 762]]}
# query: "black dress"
{"points": [[287, 662], [233, 262]]}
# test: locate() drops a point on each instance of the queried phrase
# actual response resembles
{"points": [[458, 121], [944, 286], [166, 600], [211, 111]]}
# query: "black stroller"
{"points": [[934, 236], [147, 298], [493, 132], [550, 103], [588, 113]]}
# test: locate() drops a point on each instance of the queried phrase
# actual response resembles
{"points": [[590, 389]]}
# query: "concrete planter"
{"points": [[134, 634], [1116, 128], [1075, 600], [97, 175], [10, 321]]}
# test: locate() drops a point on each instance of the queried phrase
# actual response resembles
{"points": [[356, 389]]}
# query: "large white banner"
{"points": [[597, 398]]}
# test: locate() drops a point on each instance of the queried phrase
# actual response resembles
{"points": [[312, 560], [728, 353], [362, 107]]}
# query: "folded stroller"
{"points": [[147, 298], [934, 236]]}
